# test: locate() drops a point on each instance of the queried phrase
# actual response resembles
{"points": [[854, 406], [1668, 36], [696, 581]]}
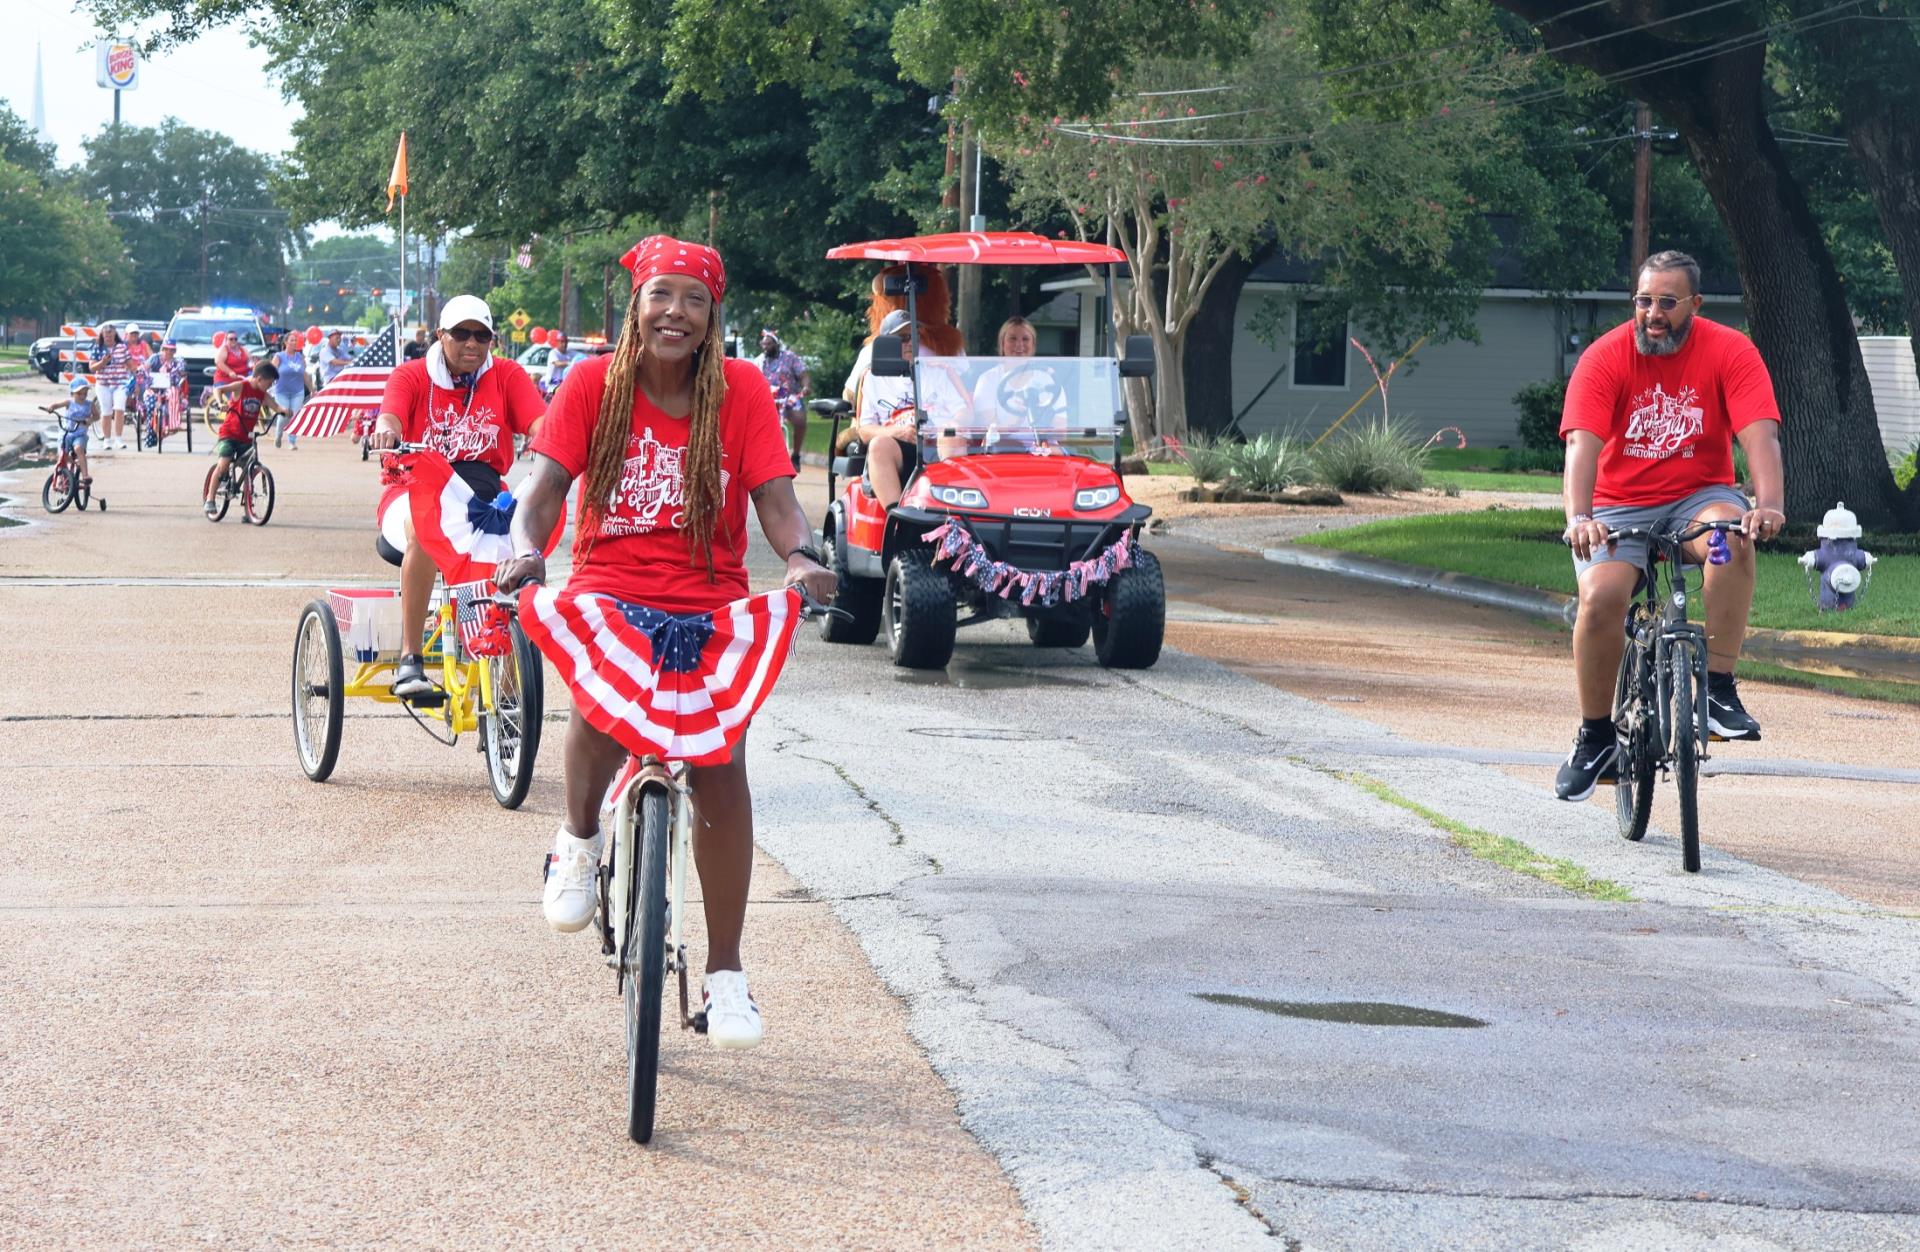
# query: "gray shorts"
{"points": [[1653, 517]]}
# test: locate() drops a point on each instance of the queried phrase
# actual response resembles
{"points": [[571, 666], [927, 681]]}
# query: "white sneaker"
{"points": [[733, 1019], [573, 882]]}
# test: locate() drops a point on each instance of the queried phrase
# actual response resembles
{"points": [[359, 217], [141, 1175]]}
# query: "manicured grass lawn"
{"points": [[1483, 469], [13, 356], [1522, 546]]}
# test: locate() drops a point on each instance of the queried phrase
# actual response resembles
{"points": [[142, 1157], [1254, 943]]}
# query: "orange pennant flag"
{"points": [[397, 181]]}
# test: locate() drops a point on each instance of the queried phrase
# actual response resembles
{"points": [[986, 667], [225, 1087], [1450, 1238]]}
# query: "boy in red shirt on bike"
{"points": [[252, 396]]}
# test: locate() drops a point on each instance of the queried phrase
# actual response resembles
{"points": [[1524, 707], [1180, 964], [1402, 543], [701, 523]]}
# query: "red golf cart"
{"points": [[1015, 507]]}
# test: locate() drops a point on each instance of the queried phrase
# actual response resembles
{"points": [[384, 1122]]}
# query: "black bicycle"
{"points": [[247, 481], [1660, 699]]}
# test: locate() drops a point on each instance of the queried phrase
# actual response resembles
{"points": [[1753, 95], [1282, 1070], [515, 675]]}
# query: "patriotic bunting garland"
{"points": [[465, 536], [955, 546]]}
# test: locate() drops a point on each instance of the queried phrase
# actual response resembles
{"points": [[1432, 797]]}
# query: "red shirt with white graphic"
{"points": [[474, 423], [640, 552], [243, 411], [1668, 421]]}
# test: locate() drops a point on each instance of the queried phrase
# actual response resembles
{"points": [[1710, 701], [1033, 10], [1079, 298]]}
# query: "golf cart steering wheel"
{"points": [[1022, 399]]}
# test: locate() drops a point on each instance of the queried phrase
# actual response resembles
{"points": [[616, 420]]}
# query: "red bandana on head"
{"points": [[663, 254]]}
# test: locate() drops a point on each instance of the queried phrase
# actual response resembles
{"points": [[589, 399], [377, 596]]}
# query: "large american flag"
{"points": [[679, 688], [354, 393]]}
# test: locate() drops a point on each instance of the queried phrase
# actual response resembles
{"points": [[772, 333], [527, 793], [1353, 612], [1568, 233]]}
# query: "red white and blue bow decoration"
{"points": [[955, 545], [681, 688], [465, 536]]}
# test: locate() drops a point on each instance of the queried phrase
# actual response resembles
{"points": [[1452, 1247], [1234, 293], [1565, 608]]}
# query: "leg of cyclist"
{"points": [[797, 430], [723, 850], [417, 572], [1729, 597], [593, 760], [1599, 640]]}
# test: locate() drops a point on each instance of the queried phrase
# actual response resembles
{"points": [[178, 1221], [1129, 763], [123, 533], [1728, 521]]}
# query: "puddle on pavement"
{"points": [[985, 678], [1346, 1012]]}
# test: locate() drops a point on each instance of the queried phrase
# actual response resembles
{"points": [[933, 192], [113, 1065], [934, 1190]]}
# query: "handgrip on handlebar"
{"points": [[810, 607]]}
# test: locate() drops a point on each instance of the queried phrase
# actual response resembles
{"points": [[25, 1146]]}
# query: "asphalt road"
{"points": [[1018, 932]]}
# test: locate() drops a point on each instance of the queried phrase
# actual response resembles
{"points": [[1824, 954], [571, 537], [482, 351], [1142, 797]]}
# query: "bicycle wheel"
{"points": [[511, 728], [319, 690], [1686, 754], [1633, 793], [214, 413], [256, 494], [643, 978], [83, 492], [222, 494], [57, 492]]}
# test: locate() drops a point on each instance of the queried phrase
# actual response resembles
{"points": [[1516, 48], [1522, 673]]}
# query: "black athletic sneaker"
{"points": [[1727, 718], [1593, 761], [410, 677]]}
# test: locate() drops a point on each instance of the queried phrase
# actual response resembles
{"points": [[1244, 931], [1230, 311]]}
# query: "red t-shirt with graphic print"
{"points": [[474, 423], [243, 411], [1668, 421], [640, 552]]}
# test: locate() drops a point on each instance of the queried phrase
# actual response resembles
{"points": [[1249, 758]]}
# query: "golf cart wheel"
{"points": [[919, 613], [1130, 620], [858, 596], [1057, 632]]}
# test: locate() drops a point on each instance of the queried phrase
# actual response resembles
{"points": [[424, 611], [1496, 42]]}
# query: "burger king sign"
{"points": [[116, 64]]}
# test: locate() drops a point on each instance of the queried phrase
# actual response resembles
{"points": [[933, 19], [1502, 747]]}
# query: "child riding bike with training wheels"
{"points": [[1651, 415], [76, 415], [673, 440], [250, 398]]}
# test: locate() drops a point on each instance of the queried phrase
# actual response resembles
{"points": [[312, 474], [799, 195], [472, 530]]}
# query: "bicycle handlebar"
{"points": [[1686, 535], [809, 606]]}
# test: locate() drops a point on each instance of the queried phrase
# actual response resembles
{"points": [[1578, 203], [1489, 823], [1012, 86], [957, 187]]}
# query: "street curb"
{"points": [[1886, 658]]}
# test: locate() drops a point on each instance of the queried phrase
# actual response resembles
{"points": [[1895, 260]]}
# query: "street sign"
{"points": [[518, 336], [518, 319]]}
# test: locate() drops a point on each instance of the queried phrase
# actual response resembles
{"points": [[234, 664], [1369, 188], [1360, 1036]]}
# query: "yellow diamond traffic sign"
{"points": [[518, 319]]}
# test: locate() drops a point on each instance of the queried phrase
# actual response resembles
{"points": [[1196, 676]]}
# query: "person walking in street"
{"points": [[559, 359], [417, 346], [671, 440], [112, 361], [787, 374], [167, 383], [290, 389], [333, 358], [1652, 413], [466, 404]]}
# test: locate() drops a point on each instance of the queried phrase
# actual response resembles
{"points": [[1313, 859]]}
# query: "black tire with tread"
{"points": [[858, 596], [258, 477], [1058, 632], [1686, 757], [643, 983], [509, 790], [919, 612], [57, 492], [221, 496], [1633, 794], [1130, 618], [317, 760]]}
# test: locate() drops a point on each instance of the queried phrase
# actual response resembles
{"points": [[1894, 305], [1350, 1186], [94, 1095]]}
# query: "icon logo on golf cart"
{"points": [[1032, 512]]}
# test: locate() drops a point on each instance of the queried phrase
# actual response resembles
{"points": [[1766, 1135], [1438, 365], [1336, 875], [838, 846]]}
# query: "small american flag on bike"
{"points": [[482, 624], [354, 393], [682, 688]]}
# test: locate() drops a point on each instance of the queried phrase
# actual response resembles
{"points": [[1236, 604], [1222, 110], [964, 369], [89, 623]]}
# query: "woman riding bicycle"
{"points": [[673, 438]]}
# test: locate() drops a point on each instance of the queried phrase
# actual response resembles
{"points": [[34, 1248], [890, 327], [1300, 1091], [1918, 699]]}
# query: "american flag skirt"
{"points": [[682, 688]]}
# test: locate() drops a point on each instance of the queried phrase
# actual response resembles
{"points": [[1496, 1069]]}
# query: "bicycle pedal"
{"points": [[700, 1022], [427, 699]]}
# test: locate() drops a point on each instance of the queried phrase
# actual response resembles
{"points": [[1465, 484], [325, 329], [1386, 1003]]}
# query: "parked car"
{"points": [[44, 355]]}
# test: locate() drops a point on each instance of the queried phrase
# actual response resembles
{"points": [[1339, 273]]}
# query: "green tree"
{"points": [[59, 255], [333, 278], [197, 213], [20, 146]]}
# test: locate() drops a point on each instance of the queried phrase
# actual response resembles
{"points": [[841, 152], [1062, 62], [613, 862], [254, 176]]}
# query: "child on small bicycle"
{"points": [[252, 396], [75, 416]]}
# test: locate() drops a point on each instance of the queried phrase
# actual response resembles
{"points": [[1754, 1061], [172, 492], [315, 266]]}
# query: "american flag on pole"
{"points": [[679, 688], [354, 393]]}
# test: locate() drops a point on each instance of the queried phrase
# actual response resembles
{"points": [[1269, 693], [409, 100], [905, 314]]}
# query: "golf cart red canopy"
{"points": [[993, 247]]}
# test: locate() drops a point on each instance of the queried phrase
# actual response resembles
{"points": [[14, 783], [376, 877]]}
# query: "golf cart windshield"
{"points": [[992, 404]]}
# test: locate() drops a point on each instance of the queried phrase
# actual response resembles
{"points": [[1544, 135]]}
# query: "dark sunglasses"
{"points": [[1667, 303], [461, 334]]}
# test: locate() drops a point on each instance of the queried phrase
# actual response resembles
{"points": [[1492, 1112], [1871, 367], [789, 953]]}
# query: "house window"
{"points": [[1319, 346]]}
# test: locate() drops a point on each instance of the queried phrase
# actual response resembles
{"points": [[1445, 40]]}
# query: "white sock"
{"points": [[565, 841]]}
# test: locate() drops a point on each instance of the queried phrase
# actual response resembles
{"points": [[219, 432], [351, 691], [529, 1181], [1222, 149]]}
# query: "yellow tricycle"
{"points": [[488, 677]]}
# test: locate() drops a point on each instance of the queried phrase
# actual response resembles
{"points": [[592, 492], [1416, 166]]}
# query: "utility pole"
{"points": [[1642, 187], [606, 302], [568, 322], [967, 314]]}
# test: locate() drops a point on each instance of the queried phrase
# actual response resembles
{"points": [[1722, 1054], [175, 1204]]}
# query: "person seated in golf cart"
{"points": [[1017, 401], [884, 417]]}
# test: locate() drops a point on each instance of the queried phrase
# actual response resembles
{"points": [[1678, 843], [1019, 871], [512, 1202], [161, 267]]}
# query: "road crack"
{"points": [[1244, 1198]]}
